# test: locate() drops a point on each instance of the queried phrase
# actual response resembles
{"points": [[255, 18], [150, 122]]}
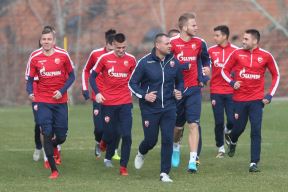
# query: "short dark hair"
{"points": [[158, 36], [109, 35], [184, 18], [223, 29], [255, 33], [48, 29], [171, 31], [119, 38]]}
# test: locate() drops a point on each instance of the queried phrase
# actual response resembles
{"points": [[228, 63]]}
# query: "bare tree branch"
{"points": [[162, 15], [35, 13], [271, 18]]}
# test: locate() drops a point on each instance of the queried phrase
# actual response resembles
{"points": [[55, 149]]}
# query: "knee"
{"points": [[60, 139], [151, 143], [193, 126]]}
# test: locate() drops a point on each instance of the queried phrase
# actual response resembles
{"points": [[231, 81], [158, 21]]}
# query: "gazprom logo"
{"points": [[43, 72], [114, 74], [180, 57], [217, 64], [245, 75]]}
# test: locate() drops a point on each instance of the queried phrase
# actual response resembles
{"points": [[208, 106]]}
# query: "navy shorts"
{"points": [[117, 120], [53, 118], [189, 107]]}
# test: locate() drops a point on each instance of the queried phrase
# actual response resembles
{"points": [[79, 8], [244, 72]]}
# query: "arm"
{"points": [[274, 70], [86, 74], [204, 55], [135, 80], [92, 82], [29, 85], [68, 82], [227, 68], [203, 65], [98, 67], [29, 75], [185, 66], [69, 68], [179, 83]]}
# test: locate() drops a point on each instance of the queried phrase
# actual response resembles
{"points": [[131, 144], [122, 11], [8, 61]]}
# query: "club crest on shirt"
{"points": [[260, 59], [126, 63], [57, 60], [146, 123], [172, 63], [107, 119], [96, 112], [193, 46]]}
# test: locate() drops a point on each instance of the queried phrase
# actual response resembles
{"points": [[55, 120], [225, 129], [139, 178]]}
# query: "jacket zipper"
{"points": [[162, 67]]}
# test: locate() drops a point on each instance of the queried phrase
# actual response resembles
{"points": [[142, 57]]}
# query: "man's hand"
{"points": [[237, 85], [57, 95], [265, 101], [178, 94], [100, 98], [85, 94], [31, 97], [206, 71], [151, 97]]}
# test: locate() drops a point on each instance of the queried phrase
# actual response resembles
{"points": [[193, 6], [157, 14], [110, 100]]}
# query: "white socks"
{"points": [[221, 149], [193, 156], [176, 147]]}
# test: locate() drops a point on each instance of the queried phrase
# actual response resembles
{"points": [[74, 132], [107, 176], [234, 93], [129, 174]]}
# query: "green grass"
{"points": [[81, 172]]}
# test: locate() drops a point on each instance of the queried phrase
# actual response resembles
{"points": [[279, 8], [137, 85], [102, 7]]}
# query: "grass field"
{"points": [[81, 172]]}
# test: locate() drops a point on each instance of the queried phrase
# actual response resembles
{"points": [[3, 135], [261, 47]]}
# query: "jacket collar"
{"points": [[154, 57]]}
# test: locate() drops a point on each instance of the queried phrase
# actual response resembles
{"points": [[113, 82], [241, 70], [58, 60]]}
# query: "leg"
{"points": [[150, 123], [98, 121], [110, 128], [178, 132], [192, 112], [60, 127], [98, 127], [45, 116], [117, 142], [199, 143], [38, 144], [167, 123], [255, 116], [241, 118], [229, 110], [217, 102], [125, 121]]}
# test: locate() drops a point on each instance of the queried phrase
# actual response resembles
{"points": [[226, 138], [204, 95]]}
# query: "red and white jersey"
{"points": [[32, 54], [94, 56], [116, 72], [190, 51], [218, 56], [249, 68], [52, 72]]}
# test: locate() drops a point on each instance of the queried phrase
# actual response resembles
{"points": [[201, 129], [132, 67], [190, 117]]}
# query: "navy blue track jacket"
{"points": [[152, 74]]}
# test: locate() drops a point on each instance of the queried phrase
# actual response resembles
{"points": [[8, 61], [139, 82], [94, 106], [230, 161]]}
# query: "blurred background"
{"points": [[83, 23]]}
